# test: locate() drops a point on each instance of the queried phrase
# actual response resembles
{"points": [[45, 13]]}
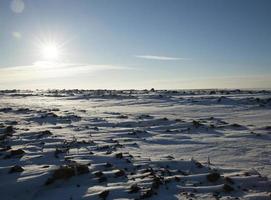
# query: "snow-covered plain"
{"points": [[74, 144]]}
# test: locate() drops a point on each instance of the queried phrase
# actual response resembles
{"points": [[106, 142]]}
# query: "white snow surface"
{"points": [[135, 144]]}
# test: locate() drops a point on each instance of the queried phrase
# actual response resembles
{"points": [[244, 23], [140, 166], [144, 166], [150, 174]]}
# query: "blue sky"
{"points": [[167, 44]]}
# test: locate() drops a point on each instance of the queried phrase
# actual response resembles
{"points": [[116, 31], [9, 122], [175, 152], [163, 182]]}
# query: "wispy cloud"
{"points": [[43, 70], [163, 58]]}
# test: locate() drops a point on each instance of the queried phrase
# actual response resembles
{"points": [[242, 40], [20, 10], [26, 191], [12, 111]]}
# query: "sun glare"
{"points": [[50, 51]]}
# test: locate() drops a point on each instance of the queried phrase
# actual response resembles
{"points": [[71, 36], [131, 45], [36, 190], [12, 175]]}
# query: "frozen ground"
{"points": [[76, 144]]}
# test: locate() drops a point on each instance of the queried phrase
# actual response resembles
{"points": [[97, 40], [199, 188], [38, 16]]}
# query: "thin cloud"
{"points": [[163, 58], [43, 70]]}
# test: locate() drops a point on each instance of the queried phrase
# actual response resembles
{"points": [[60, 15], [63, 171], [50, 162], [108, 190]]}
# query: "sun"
{"points": [[50, 47], [50, 51]]}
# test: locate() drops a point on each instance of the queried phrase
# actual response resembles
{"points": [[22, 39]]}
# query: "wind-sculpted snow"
{"points": [[102, 144]]}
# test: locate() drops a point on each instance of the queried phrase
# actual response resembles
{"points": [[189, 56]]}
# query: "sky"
{"points": [[135, 44]]}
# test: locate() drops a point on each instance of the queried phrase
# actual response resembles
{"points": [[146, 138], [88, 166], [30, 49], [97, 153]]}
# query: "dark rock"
{"points": [[45, 133], [134, 188], [147, 194], [119, 173], [178, 179], [198, 164], [236, 125], [104, 194], [229, 180], [247, 174], [9, 130], [228, 188], [15, 153], [156, 182], [59, 151], [5, 148], [107, 165], [99, 174], [119, 155], [196, 124], [123, 117], [102, 179], [16, 168], [6, 109], [213, 177], [82, 169]]}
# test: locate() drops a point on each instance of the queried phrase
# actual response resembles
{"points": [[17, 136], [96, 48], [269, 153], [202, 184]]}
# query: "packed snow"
{"points": [[135, 144]]}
